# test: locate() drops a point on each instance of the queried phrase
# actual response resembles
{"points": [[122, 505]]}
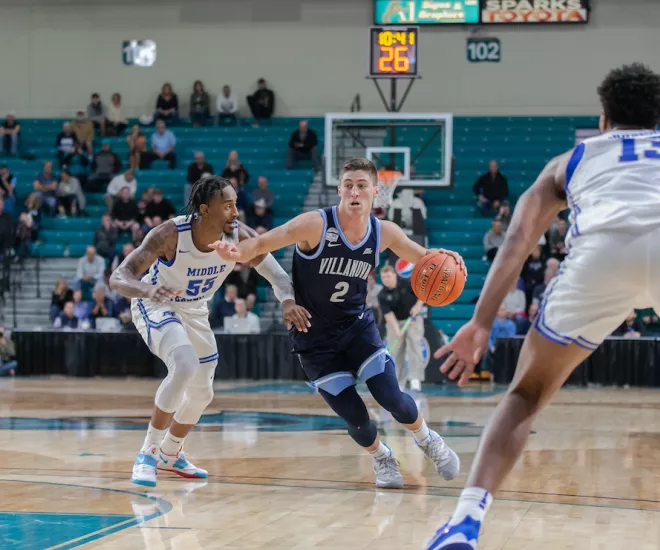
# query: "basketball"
{"points": [[437, 279]]}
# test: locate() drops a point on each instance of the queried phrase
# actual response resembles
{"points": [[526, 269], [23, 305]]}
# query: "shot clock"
{"points": [[393, 52]]}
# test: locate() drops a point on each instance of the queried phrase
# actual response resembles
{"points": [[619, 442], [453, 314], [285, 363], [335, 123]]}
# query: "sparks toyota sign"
{"points": [[535, 11]]}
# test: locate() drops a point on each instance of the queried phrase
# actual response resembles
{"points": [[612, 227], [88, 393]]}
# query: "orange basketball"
{"points": [[437, 280]]}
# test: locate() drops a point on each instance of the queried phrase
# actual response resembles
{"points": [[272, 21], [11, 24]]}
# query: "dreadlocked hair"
{"points": [[203, 190]]}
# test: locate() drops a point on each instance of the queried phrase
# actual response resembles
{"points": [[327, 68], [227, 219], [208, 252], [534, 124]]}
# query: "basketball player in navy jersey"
{"points": [[169, 306], [336, 250]]}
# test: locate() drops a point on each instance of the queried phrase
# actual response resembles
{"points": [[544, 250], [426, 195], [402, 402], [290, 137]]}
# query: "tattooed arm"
{"points": [[160, 241]]}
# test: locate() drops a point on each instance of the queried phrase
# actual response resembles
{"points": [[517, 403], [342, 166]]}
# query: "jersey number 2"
{"points": [[342, 289], [629, 154], [195, 286]]}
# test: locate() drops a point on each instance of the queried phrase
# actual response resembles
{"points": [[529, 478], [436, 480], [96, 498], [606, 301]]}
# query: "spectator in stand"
{"points": [[96, 112], [631, 327], [90, 269], [227, 107], [7, 188], [523, 327], [261, 102], [138, 237], [263, 193], [61, 295], [557, 238], [105, 166], [552, 265], [146, 198], [33, 210], [200, 105], [127, 179], [224, 306], [8, 365], [25, 235], [494, 239], [45, 187], [125, 213], [650, 320], [196, 171], [258, 217], [243, 321], [245, 279], [158, 210], [241, 201], [167, 105], [81, 310], [66, 319], [373, 290], [532, 273], [539, 290], [303, 145], [163, 142], [137, 146], [492, 189], [503, 327], [102, 306], [7, 241], [84, 130], [117, 121], [11, 136], [504, 215], [105, 238], [235, 169], [68, 145], [126, 249], [516, 304], [70, 197]]}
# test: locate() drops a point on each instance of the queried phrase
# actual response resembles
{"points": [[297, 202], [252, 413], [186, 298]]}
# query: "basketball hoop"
{"points": [[387, 182]]}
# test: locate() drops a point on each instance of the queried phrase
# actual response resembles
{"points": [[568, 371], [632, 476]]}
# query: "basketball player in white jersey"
{"points": [[612, 185], [169, 306]]}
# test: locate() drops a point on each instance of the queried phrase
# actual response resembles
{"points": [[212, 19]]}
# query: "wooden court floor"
{"points": [[284, 475]]}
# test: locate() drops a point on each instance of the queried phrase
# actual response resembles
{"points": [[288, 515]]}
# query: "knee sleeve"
{"points": [[197, 397], [182, 364], [349, 406], [385, 389]]}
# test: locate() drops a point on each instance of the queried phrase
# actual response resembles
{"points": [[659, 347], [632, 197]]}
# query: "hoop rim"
{"points": [[389, 178]]}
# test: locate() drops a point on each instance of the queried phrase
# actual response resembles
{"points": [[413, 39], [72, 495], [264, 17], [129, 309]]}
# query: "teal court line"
{"points": [[164, 507]]}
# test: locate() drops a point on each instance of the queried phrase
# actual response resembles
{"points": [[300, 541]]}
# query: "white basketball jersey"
{"points": [[195, 275], [613, 183]]}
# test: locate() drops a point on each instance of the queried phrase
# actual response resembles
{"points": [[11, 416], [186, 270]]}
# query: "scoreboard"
{"points": [[393, 52]]}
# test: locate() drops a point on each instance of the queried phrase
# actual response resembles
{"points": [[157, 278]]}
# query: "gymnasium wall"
{"points": [[313, 52]]}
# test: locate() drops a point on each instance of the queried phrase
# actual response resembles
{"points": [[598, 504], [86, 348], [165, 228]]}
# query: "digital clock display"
{"points": [[393, 52]]}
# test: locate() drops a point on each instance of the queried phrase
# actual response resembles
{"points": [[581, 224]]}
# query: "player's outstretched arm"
{"points": [[393, 237], [305, 230], [269, 268], [160, 241], [536, 209]]}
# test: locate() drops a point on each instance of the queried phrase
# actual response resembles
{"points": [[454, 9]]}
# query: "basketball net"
{"points": [[387, 182]]}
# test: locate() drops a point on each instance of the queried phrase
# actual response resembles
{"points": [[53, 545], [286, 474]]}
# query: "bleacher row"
{"points": [[522, 145]]}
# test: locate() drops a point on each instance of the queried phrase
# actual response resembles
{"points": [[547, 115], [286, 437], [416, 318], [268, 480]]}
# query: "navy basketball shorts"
{"points": [[337, 361]]}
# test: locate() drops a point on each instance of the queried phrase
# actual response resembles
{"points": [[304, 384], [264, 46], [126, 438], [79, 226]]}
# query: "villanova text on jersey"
{"points": [[331, 280]]}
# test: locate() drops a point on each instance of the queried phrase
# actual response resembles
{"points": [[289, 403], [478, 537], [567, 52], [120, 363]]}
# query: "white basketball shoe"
{"points": [[144, 469], [178, 464]]}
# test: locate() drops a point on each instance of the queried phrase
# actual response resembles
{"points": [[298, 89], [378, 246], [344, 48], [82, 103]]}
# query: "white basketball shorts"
{"points": [[164, 327], [602, 280]]}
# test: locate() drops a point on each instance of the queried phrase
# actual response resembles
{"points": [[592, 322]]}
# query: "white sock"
{"points": [[473, 502], [422, 434], [171, 444], [381, 452], [154, 436]]}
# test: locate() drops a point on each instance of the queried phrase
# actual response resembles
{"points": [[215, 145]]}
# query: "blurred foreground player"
{"points": [[612, 185], [336, 250], [169, 306]]}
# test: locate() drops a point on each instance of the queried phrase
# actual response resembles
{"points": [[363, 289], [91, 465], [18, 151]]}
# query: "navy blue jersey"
{"points": [[331, 280]]}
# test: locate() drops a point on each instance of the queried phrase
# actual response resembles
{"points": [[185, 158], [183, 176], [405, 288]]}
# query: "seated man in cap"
{"points": [[105, 165], [258, 217]]}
